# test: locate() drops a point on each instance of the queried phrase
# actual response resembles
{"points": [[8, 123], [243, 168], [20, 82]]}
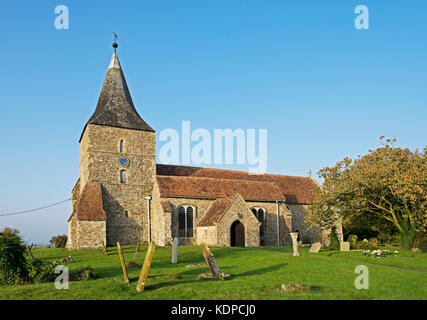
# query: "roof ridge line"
{"points": [[230, 170], [197, 177]]}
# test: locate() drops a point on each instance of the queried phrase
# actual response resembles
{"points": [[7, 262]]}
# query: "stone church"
{"points": [[124, 195]]}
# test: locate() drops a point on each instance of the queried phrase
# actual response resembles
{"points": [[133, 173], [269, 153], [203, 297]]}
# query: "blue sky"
{"points": [[300, 69]]}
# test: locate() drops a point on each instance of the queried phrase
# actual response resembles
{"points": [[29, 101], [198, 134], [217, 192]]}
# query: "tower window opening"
{"points": [[123, 176]]}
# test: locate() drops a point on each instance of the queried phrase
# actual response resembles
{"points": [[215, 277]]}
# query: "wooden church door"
{"points": [[237, 234]]}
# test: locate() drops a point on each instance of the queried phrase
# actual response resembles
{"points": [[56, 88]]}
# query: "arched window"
{"points": [[126, 214], [121, 146], [123, 176], [181, 221], [261, 219], [190, 222], [185, 221], [259, 213]]}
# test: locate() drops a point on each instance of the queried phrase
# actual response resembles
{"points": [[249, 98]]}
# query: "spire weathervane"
{"points": [[115, 45]]}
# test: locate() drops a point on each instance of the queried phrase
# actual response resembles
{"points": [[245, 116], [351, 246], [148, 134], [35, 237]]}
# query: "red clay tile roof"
{"points": [[89, 206], [211, 188], [214, 212], [297, 190]]}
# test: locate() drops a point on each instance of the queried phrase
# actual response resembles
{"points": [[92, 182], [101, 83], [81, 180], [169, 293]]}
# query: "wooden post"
{"points": [[122, 260], [210, 259], [174, 258], [104, 248], [136, 253], [29, 251], [146, 267]]}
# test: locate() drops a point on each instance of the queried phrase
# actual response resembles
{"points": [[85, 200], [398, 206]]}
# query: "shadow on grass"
{"points": [[259, 271], [157, 286]]}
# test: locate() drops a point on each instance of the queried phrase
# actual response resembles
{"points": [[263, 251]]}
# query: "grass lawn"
{"points": [[256, 273]]}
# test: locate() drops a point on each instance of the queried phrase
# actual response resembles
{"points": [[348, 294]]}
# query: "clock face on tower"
{"points": [[124, 162]]}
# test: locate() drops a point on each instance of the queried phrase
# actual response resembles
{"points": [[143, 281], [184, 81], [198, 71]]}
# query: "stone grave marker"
{"points": [[344, 246], [174, 258], [210, 259], [146, 267], [122, 261], [315, 247]]}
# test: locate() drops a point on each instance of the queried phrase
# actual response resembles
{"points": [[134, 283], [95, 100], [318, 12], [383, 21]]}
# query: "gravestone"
{"points": [[294, 236], [122, 261], [174, 258], [344, 246], [315, 247], [146, 267], [210, 260]]}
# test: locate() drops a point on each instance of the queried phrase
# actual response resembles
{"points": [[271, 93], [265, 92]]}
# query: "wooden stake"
{"points": [[104, 248], [136, 253], [29, 251], [146, 267], [210, 259], [122, 260]]}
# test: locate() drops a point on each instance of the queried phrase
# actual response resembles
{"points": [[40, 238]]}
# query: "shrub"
{"points": [[365, 244], [373, 243], [59, 241], [306, 239], [335, 243], [9, 232], [39, 271], [83, 274], [13, 267], [352, 238]]}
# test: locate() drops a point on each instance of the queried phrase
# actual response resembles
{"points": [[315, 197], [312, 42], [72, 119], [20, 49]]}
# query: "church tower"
{"points": [[117, 170]]}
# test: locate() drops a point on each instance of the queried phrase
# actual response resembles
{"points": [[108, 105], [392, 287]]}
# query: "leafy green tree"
{"points": [[386, 186], [13, 265], [59, 241], [335, 243]]}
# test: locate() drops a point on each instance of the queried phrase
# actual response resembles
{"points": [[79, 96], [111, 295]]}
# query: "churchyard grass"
{"points": [[256, 273]]}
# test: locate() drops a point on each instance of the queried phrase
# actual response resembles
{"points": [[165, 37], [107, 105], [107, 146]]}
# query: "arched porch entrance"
{"points": [[237, 234]]}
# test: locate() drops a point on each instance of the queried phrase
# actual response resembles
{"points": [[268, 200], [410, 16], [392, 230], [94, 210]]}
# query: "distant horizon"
{"points": [[323, 89]]}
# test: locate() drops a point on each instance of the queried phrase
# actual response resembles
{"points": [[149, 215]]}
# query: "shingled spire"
{"points": [[115, 107]]}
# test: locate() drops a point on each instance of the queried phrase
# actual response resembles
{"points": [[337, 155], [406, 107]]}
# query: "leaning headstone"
{"points": [[344, 246], [122, 261], [146, 267], [174, 258], [210, 260], [315, 247], [294, 236]]}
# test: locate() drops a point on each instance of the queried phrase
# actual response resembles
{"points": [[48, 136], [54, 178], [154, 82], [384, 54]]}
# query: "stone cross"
{"points": [[175, 251], [294, 236]]}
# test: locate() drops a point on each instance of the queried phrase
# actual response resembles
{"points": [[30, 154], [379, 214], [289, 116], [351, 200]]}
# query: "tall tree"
{"points": [[387, 184]]}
